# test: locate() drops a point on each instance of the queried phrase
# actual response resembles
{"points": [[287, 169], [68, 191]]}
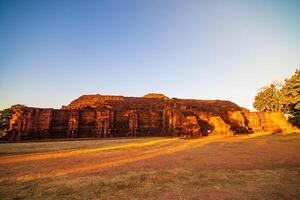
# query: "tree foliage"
{"points": [[285, 98], [291, 98], [290, 93], [5, 116], [268, 99]]}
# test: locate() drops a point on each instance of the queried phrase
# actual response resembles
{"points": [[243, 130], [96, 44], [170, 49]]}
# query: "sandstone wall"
{"points": [[153, 115], [260, 121]]}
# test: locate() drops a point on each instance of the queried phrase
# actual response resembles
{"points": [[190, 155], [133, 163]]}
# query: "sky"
{"points": [[52, 52]]}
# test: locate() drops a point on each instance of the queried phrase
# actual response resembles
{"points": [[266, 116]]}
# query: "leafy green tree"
{"points": [[268, 99], [290, 93], [284, 98]]}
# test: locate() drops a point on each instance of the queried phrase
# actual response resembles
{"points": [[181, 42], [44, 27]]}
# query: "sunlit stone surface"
{"points": [[151, 115]]}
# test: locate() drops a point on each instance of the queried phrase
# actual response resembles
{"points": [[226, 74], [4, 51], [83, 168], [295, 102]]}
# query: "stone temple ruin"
{"points": [[102, 116]]}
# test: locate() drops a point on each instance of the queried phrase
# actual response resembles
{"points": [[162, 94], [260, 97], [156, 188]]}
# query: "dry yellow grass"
{"points": [[261, 166]]}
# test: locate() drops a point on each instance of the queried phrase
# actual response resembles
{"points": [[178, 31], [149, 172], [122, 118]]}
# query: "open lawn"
{"points": [[237, 167]]}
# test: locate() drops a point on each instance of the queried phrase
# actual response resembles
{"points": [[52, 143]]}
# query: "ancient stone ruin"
{"points": [[101, 116]]}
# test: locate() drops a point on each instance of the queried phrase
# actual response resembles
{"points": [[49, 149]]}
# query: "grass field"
{"points": [[236, 167]]}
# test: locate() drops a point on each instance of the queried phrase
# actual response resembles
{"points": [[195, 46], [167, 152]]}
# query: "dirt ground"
{"points": [[253, 166]]}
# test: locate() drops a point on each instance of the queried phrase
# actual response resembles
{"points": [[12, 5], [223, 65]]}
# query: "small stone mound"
{"points": [[85, 101], [91, 101], [155, 96]]}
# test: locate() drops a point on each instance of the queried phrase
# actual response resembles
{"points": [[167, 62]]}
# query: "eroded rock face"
{"points": [[151, 115], [216, 124], [260, 121]]}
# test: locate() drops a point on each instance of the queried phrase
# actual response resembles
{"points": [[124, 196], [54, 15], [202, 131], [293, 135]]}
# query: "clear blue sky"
{"points": [[51, 52]]}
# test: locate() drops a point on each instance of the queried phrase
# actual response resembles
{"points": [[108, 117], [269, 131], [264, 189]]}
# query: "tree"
{"points": [[5, 116], [285, 98], [268, 99], [291, 98], [290, 93]]}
